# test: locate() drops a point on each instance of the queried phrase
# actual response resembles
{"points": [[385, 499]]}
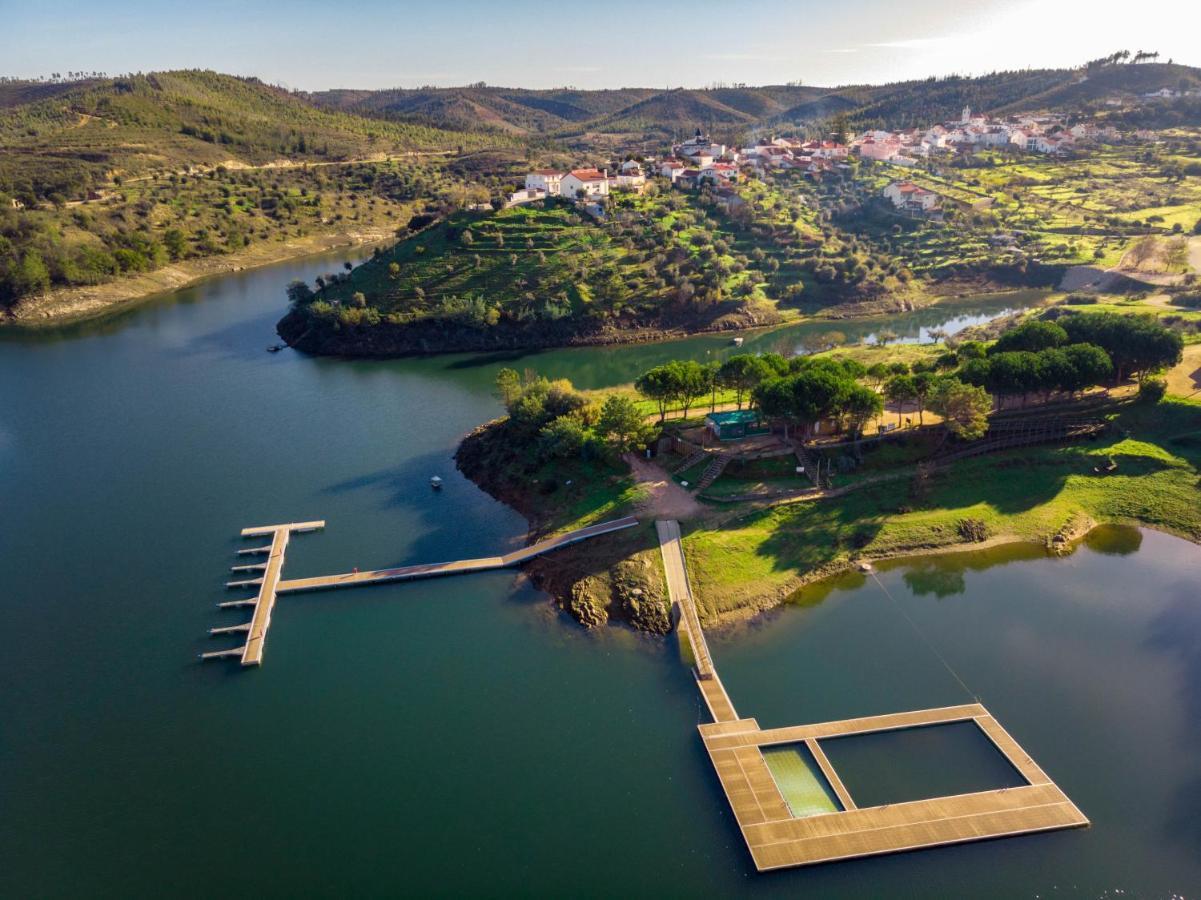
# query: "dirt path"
{"points": [[1091, 278], [1185, 379], [665, 499]]}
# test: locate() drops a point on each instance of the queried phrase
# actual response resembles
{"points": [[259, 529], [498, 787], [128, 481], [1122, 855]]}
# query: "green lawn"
{"points": [[1026, 494]]}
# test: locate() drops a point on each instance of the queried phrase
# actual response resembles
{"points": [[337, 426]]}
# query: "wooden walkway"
{"points": [[269, 584], [459, 567], [776, 839], [684, 611]]}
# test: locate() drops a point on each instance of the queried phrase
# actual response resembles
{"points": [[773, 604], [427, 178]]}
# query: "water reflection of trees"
{"points": [[1114, 540], [935, 578]]}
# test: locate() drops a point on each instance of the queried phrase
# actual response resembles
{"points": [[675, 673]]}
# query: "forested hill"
{"points": [[64, 139], [732, 113]]}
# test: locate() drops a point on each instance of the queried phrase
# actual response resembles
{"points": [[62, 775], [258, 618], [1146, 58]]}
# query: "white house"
{"points": [[630, 178], [589, 183], [545, 180], [1051, 144], [671, 169], [718, 171], [879, 150], [908, 196]]}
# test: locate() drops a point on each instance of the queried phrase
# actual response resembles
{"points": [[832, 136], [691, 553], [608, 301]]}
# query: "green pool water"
{"points": [[800, 780]]}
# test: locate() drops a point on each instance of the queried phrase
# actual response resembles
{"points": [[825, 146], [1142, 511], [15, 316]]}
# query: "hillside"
{"points": [[479, 106], [729, 112], [74, 138]]}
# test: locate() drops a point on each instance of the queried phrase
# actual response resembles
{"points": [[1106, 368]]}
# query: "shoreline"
{"points": [[1072, 539], [73, 305], [345, 348]]}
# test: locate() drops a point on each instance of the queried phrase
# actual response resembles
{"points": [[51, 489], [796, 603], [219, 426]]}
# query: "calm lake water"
{"points": [[460, 736]]}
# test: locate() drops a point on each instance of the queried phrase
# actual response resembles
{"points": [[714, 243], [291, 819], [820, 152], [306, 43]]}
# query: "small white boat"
{"points": [[865, 567], [436, 483], [737, 342]]}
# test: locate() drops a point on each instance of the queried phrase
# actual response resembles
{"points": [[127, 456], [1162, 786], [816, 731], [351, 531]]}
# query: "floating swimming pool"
{"points": [[800, 780], [919, 763]]}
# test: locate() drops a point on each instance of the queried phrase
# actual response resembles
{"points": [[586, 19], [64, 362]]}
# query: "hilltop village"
{"points": [[700, 162]]}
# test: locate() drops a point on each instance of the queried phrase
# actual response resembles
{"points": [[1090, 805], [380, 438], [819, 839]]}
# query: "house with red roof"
{"points": [[584, 183], [909, 197]]}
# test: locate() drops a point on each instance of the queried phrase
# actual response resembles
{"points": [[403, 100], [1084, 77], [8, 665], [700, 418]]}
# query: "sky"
{"points": [[532, 43]]}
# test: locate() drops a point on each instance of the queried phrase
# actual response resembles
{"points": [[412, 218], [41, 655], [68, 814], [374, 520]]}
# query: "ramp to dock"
{"points": [[458, 567], [776, 838]]}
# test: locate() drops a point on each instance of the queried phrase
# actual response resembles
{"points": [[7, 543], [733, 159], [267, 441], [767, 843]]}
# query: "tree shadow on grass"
{"points": [[1020, 480], [806, 537]]}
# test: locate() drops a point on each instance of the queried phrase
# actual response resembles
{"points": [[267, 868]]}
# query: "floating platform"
{"points": [[270, 585], [777, 838]]}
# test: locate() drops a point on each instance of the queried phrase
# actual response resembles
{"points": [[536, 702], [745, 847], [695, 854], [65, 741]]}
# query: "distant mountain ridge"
{"points": [[730, 110]]}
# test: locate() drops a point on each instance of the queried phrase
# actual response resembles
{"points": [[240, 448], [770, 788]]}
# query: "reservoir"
{"points": [[461, 736]]}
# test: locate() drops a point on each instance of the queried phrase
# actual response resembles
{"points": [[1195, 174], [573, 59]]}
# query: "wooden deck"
{"points": [[776, 839], [269, 585]]}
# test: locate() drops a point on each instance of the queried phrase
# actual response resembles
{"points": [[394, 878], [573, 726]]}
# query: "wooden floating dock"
{"points": [[269, 585], [777, 839]]}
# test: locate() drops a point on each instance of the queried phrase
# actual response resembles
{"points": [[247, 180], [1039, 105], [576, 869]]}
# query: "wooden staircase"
{"points": [[713, 470], [690, 461]]}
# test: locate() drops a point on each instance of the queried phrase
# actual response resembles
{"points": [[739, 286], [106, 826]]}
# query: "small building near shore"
{"points": [[736, 424]]}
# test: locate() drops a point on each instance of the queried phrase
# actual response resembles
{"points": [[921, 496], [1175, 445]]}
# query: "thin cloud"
{"points": [[741, 57], [913, 43]]}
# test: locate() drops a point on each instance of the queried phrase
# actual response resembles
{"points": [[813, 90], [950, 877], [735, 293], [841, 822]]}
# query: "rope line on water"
{"points": [[925, 640]]}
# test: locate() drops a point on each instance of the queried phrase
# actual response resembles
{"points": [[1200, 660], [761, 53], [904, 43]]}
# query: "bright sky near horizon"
{"points": [[533, 43]]}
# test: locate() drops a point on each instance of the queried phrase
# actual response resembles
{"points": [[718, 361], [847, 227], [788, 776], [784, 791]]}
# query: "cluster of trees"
{"points": [[811, 390], [1072, 354], [684, 382], [554, 420], [806, 390], [35, 256]]}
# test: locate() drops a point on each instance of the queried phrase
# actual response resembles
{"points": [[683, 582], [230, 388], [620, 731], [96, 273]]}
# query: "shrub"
{"points": [[973, 529], [1152, 390]]}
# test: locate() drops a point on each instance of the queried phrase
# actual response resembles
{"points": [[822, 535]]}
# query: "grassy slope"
{"points": [[756, 558]]}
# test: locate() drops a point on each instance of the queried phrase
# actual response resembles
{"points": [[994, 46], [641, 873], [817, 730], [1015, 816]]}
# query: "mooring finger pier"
{"points": [[265, 576]]}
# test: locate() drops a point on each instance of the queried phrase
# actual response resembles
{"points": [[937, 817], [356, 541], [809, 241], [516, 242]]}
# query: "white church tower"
{"points": [[967, 115]]}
